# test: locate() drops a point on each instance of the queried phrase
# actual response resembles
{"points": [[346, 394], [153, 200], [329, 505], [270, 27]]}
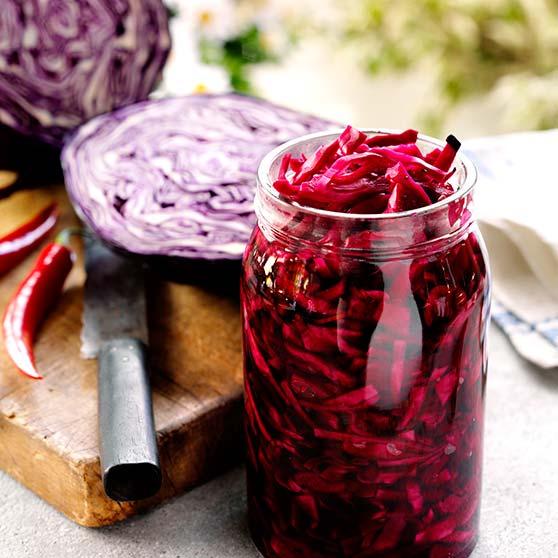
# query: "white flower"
{"points": [[210, 79], [184, 77], [210, 18], [184, 73]]}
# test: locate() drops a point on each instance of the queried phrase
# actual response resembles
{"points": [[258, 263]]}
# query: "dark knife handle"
{"points": [[127, 438]]}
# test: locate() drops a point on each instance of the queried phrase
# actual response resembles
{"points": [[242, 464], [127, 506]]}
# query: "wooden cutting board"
{"points": [[48, 428]]}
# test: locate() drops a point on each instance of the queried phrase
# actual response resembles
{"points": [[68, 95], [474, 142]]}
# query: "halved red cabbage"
{"points": [[364, 378], [64, 61], [176, 177]]}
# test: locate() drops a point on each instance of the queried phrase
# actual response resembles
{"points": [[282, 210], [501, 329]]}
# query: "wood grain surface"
{"points": [[48, 428]]}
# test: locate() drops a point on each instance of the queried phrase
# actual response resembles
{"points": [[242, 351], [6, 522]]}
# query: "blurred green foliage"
{"points": [[470, 45], [236, 55]]}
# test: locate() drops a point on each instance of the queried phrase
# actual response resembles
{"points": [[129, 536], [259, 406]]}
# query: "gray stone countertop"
{"points": [[519, 512]]}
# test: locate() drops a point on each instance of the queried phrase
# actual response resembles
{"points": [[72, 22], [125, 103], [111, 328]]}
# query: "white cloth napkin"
{"points": [[517, 205]]}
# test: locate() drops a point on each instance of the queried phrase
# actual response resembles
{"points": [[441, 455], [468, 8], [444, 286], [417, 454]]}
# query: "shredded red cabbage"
{"points": [[176, 177], [364, 377], [348, 174], [64, 61]]}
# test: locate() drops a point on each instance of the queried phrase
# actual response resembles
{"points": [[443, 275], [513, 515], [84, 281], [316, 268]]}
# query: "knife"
{"points": [[115, 331]]}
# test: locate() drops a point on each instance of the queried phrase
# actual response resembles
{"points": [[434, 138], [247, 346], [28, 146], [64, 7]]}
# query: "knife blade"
{"points": [[114, 302], [115, 331]]}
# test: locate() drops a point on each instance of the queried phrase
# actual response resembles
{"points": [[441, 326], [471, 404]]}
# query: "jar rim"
{"points": [[264, 168]]}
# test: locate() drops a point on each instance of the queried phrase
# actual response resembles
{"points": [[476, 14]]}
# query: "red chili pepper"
{"points": [[30, 304], [16, 245]]}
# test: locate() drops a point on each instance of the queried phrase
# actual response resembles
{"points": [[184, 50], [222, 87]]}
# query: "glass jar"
{"points": [[365, 369]]}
